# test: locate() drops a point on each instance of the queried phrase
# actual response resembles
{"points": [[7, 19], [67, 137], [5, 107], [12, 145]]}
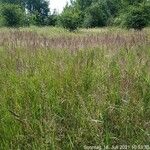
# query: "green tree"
{"points": [[136, 17], [13, 15], [21, 3], [39, 9], [97, 15], [82, 4], [134, 2], [113, 6], [52, 19], [70, 18]]}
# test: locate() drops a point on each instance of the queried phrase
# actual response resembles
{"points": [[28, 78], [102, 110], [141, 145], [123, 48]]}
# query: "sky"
{"points": [[58, 5]]}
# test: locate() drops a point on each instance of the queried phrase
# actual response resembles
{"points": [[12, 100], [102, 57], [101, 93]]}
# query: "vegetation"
{"points": [[66, 90], [70, 19], [37, 11], [13, 16], [80, 13], [135, 18], [75, 89], [99, 13]]}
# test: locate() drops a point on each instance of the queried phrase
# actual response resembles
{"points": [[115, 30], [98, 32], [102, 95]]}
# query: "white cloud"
{"points": [[58, 4]]}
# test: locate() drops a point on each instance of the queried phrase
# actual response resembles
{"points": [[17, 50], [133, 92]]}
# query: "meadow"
{"points": [[67, 91]]}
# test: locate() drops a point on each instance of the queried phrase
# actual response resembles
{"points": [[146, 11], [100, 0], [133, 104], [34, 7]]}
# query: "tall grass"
{"points": [[62, 99]]}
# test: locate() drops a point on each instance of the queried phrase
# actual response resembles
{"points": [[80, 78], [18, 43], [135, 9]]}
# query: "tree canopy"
{"points": [[85, 13], [37, 8]]}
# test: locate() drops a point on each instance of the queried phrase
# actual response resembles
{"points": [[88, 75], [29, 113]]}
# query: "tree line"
{"points": [[80, 13], [14, 13]]}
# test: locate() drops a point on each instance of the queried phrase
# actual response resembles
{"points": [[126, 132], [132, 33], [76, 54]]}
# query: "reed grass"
{"points": [[70, 92]]}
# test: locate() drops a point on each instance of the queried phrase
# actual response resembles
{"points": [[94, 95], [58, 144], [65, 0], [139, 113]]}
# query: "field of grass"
{"points": [[68, 91]]}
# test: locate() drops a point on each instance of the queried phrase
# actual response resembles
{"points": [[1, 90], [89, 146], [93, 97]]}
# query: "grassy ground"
{"points": [[89, 89]]}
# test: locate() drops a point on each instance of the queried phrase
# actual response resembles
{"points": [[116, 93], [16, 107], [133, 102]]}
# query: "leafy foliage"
{"points": [[15, 2], [38, 10], [134, 2], [52, 19], [86, 13], [13, 15], [136, 17], [97, 15], [70, 18]]}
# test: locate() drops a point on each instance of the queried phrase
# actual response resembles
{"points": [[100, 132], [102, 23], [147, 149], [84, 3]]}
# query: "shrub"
{"points": [[51, 20], [13, 15], [70, 19], [97, 15], [136, 17]]}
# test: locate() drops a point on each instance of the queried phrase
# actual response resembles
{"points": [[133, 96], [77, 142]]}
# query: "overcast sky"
{"points": [[58, 4]]}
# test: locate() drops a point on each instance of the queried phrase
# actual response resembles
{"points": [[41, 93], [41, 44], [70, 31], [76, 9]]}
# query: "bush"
{"points": [[136, 17], [97, 15], [70, 19], [51, 20], [12, 15]]}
